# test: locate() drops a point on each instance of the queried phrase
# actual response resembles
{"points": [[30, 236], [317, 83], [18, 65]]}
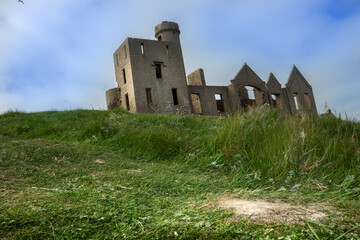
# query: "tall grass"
{"points": [[259, 148], [110, 174]]}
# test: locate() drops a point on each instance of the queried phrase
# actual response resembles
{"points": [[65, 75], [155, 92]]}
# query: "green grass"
{"points": [[110, 174]]}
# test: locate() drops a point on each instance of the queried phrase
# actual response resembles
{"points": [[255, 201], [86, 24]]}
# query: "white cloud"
{"points": [[58, 54]]}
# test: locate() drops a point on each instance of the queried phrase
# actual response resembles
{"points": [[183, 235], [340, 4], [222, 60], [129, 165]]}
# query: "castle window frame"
{"points": [[251, 92], [127, 101], [296, 101], [142, 48], [158, 70], [275, 98], [219, 102], [175, 96], [124, 75]]}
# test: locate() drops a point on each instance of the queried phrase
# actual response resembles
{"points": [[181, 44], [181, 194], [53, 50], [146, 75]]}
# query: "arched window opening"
{"points": [[251, 97]]}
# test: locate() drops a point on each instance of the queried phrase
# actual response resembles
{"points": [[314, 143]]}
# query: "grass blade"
{"points": [[313, 231], [342, 235]]}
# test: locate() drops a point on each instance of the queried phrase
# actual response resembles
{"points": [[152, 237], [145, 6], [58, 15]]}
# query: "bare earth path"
{"points": [[270, 212]]}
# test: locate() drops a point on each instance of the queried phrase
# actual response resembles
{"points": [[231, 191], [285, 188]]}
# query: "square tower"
{"points": [[151, 73]]}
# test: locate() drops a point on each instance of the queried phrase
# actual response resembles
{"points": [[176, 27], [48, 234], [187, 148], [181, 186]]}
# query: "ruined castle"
{"points": [[151, 78]]}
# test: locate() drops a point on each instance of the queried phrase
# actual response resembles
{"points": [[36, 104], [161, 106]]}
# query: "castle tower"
{"points": [[151, 74], [167, 32]]}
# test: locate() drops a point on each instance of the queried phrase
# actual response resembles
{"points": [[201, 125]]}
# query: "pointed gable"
{"points": [[297, 81], [273, 84], [247, 77]]}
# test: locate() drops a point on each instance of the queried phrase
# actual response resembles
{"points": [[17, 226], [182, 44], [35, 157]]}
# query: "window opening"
{"points": [[148, 96], [158, 70], [124, 75], [159, 38], [296, 101], [142, 48], [219, 102], [127, 102], [274, 99], [196, 103], [175, 97], [251, 95], [117, 60]]}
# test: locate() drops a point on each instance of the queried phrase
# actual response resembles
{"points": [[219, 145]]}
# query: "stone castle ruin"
{"points": [[151, 78]]}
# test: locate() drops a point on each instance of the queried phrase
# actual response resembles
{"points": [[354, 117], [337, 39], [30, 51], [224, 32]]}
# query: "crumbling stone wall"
{"points": [[113, 98], [151, 78]]}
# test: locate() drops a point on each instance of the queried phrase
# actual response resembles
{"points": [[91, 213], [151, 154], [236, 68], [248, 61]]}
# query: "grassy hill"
{"points": [[111, 174]]}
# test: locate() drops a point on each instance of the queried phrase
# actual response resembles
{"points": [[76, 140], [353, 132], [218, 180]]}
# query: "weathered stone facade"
{"points": [[151, 78]]}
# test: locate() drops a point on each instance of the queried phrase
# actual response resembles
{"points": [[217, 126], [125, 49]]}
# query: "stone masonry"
{"points": [[151, 78]]}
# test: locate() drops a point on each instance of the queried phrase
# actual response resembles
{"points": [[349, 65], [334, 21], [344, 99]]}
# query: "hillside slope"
{"points": [[110, 174]]}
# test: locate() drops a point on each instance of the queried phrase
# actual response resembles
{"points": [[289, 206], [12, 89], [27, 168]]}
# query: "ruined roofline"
{"points": [[111, 89], [271, 76], [126, 39], [273, 79], [295, 70], [245, 65], [144, 39]]}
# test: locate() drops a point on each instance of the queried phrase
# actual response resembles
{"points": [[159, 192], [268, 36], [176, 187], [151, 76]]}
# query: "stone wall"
{"points": [[113, 98], [124, 76], [168, 57], [197, 78]]}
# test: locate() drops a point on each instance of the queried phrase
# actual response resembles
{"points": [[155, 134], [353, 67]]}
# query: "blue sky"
{"points": [[57, 54]]}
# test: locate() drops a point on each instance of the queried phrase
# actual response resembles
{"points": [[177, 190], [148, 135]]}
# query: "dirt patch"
{"points": [[270, 212], [132, 170], [99, 161]]}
